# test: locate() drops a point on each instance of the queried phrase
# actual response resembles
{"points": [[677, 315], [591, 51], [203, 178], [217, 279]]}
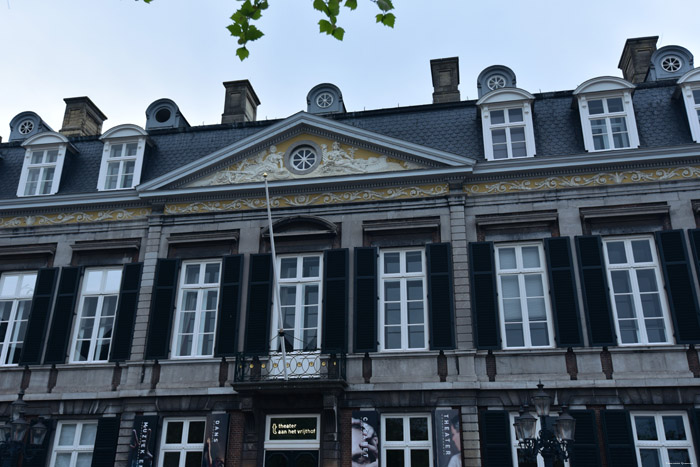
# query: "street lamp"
{"points": [[14, 442], [551, 445]]}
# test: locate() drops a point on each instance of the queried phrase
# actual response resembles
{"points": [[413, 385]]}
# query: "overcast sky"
{"points": [[125, 54]]}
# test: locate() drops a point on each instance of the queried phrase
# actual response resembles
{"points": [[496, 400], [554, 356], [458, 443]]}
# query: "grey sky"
{"points": [[125, 54]]}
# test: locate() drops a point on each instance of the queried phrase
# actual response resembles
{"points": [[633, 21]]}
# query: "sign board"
{"points": [[293, 428], [143, 440]]}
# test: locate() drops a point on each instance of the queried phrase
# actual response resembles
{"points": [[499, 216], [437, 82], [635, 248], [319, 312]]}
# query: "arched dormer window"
{"points": [[43, 164], [607, 114], [122, 157], [690, 88], [506, 120]]}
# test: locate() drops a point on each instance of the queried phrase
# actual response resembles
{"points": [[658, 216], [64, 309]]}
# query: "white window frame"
{"points": [[514, 438], [636, 294], [182, 447], [407, 444], [663, 445], [12, 338], [43, 142], [196, 348], [505, 99], [122, 135], [101, 295], [402, 277], [520, 271], [300, 283], [692, 107], [75, 448]]}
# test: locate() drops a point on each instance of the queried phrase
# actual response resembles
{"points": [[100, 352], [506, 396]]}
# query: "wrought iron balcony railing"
{"points": [[299, 366]]}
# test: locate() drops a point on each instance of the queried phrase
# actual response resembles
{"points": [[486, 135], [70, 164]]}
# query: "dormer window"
{"points": [[43, 164], [122, 158], [607, 114], [690, 89], [506, 117]]}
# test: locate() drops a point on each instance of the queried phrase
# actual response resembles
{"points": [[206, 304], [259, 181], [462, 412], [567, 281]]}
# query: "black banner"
{"points": [[143, 441], [448, 438], [214, 454], [365, 438]]}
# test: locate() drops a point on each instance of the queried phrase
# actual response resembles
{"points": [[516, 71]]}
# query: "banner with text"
{"points": [[143, 441], [365, 438], [448, 439], [214, 454]]}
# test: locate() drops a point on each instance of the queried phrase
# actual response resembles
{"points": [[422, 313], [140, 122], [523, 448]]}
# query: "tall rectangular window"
{"points": [[407, 441], [182, 443], [523, 304], [16, 292], [608, 123], [40, 172], [402, 298], [96, 311], [300, 303], [121, 165], [663, 439], [641, 315], [198, 300], [508, 133], [73, 444]]}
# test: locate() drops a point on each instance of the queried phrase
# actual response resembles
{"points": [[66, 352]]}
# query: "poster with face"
{"points": [[216, 438], [365, 438], [448, 437], [142, 442]]}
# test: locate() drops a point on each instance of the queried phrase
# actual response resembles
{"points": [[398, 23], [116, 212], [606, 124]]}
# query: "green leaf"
{"points": [[238, 17], [147, 1], [389, 20], [253, 33], [247, 9], [352, 4], [235, 29], [325, 26], [338, 33], [320, 5], [242, 53], [385, 5], [334, 7], [256, 14]]}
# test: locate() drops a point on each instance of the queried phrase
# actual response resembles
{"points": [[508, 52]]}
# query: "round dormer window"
{"points": [[496, 82], [671, 64], [303, 157], [324, 100], [26, 127], [163, 115]]}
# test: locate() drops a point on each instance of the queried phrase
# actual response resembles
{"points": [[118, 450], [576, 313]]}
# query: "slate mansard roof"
{"points": [[453, 127]]}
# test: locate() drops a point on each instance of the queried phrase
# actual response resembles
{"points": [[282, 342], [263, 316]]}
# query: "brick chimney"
{"points": [[241, 102], [445, 73], [82, 117], [636, 58]]}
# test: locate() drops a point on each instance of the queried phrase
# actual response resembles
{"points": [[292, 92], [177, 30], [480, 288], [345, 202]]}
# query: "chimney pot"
{"points": [[241, 102], [82, 117], [636, 58], [445, 73]]}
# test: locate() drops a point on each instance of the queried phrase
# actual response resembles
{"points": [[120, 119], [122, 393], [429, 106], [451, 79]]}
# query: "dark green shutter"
{"points": [[35, 336], [585, 451], [335, 301], [562, 284], [495, 439], [126, 313], [257, 326], [694, 415], [366, 299], [695, 244], [482, 274], [106, 441], [680, 288], [229, 304], [619, 444], [162, 306], [440, 296], [596, 297], [63, 310]]}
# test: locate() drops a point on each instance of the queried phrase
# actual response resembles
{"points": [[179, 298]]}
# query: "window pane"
{"points": [[171, 459], [394, 429], [497, 117], [531, 257], [414, 261], [192, 274], [533, 285], [696, 96], [87, 435], [679, 458], [511, 310], [519, 150], [506, 258], [646, 280], [67, 435], [27, 287], [651, 306], [514, 335], [536, 310], [37, 157], [189, 300], [173, 434], [51, 156], [115, 150], [211, 273], [392, 291], [394, 458], [416, 339], [418, 427], [650, 457], [621, 282], [211, 299], [674, 429], [47, 180], [498, 136], [392, 313], [415, 290], [62, 460], [517, 134], [515, 115], [641, 250], [131, 150], [311, 266], [595, 107], [415, 313], [9, 286], [539, 334], [392, 337], [392, 263], [193, 459], [84, 459], [420, 458], [656, 332], [646, 428], [500, 151], [196, 433], [615, 105]]}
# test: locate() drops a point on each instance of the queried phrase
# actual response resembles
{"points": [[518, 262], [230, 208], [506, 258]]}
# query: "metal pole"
{"points": [[275, 282]]}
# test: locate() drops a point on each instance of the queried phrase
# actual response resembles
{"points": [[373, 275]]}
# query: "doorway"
{"points": [[291, 458]]}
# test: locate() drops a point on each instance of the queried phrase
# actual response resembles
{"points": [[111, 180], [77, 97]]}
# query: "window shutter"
{"points": [[585, 451], [162, 306], [335, 301], [63, 311], [126, 313], [106, 442], [257, 326], [440, 296], [596, 298], [680, 289], [495, 438], [694, 418], [695, 243], [562, 283], [38, 317], [366, 299], [619, 444], [482, 272], [229, 304]]}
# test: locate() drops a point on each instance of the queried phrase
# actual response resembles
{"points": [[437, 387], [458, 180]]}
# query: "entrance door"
{"points": [[291, 458]]}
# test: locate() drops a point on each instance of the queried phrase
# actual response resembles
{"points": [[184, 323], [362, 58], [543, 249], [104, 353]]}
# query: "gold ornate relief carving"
{"points": [[77, 217], [585, 181], [244, 204]]}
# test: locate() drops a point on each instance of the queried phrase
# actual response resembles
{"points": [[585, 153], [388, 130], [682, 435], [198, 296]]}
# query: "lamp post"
{"points": [[552, 445], [20, 440]]}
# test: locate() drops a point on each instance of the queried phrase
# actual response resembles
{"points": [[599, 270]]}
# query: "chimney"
{"points": [[636, 58], [241, 102], [82, 117], [445, 73]]}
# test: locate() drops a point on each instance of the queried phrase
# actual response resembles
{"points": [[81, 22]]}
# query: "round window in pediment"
{"points": [[324, 100], [671, 64], [302, 157], [26, 127], [496, 82]]}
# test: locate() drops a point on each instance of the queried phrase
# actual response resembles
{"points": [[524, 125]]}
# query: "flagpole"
{"points": [[275, 282]]}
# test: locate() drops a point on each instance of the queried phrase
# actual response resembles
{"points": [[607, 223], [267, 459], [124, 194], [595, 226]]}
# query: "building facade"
{"points": [[431, 265]]}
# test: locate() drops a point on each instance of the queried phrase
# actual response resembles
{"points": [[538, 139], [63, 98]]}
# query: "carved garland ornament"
{"points": [[75, 217]]}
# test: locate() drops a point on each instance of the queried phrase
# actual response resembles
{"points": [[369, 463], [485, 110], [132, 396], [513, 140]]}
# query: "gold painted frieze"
{"points": [[75, 217]]}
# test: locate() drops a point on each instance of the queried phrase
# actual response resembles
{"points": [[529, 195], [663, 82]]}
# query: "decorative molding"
{"points": [[76, 217], [336, 160], [584, 181], [290, 201]]}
